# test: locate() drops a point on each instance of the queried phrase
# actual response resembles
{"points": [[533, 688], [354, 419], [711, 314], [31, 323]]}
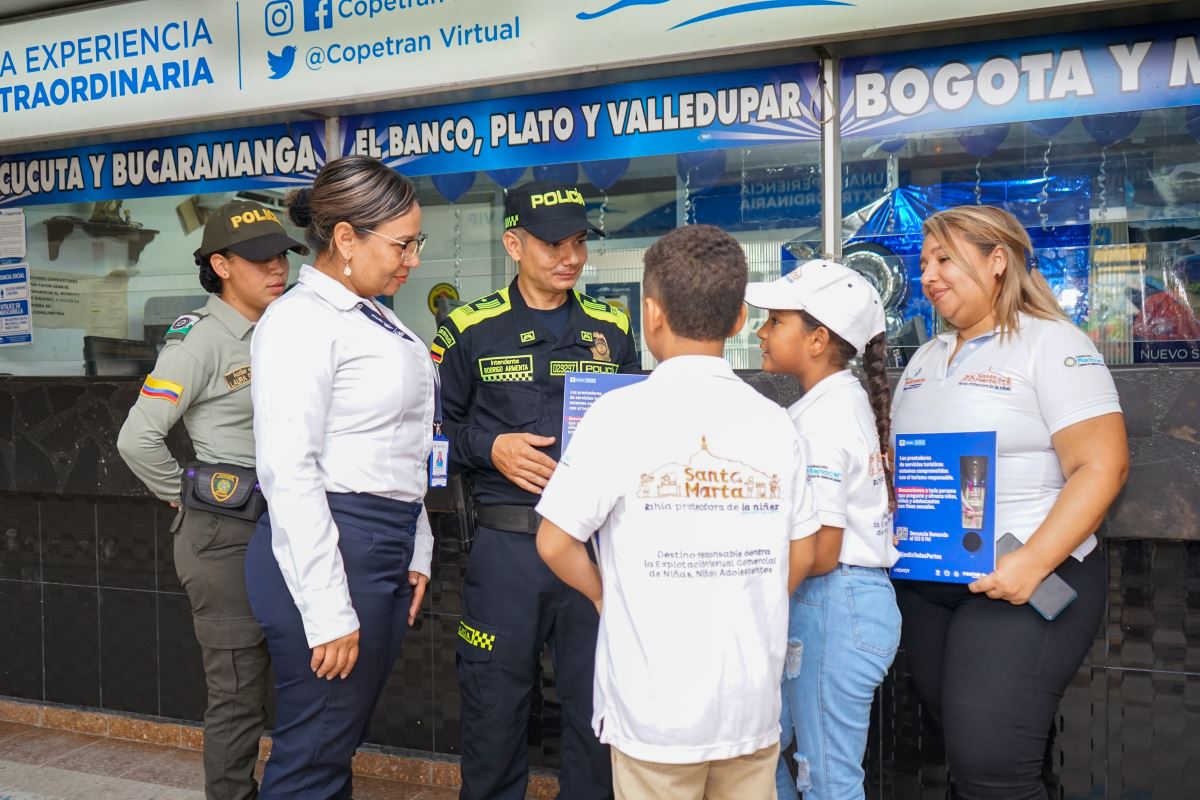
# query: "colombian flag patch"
{"points": [[436, 351], [161, 390]]}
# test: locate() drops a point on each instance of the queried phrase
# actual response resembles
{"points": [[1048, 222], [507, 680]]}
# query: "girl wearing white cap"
{"points": [[844, 624]]}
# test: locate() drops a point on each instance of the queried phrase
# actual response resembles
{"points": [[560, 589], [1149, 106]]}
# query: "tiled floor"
{"points": [[42, 764]]}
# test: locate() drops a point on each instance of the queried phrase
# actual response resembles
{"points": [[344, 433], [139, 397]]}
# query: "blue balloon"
{"points": [[557, 173], [982, 142], [701, 169], [893, 145], [605, 174], [1111, 128], [454, 185], [506, 177], [1049, 128]]}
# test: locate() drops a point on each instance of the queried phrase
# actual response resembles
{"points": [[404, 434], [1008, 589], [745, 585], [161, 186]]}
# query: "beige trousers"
{"points": [[748, 777]]}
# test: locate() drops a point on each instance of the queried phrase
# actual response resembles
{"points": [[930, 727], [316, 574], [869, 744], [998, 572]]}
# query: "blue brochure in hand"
{"points": [[581, 389], [945, 519]]}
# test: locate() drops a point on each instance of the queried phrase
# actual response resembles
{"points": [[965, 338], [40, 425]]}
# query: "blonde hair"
{"points": [[1022, 288]]}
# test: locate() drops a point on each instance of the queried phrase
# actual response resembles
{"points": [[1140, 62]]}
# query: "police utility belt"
{"points": [[512, 519], [225, 489]]}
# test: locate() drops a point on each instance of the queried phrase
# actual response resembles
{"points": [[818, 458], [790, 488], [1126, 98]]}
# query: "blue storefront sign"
{"points": [[945, 518], [1046, 77], [269, 156], [674, 115]]}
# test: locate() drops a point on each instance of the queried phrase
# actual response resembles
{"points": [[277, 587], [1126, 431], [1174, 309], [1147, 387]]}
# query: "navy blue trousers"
{"points": [[513, 606], [320, 723]]}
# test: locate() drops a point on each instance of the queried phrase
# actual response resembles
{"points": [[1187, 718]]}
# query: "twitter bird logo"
{"points": [[280, 64]]}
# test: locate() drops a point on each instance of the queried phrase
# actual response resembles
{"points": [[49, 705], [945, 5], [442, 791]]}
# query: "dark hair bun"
{"points": [[299, 203]]}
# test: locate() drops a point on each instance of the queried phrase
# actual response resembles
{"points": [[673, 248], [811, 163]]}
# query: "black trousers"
{"points": [[992, 674], [513, 606], [210, 559]]}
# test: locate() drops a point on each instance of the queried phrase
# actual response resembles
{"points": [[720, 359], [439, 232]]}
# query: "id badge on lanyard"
{"points": [[439, 456]]}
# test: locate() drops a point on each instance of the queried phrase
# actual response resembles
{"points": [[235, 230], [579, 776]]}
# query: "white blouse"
{"points": [[341, 404]]}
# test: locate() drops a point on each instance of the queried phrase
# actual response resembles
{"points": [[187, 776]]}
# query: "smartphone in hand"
{"points": [[1052, 595]]}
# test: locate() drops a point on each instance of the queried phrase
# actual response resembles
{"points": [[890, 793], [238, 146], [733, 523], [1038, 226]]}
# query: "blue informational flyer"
{"points": [[581, 389], [945, 519]]}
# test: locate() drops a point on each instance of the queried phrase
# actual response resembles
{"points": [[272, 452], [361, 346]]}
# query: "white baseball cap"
{"points": [[842, 299]]}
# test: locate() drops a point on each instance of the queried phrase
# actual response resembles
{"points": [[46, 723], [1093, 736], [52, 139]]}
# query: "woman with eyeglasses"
{"points": [[344, 411]]}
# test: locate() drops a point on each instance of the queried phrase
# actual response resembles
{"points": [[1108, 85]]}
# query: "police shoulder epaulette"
{"points": [[598, 309], [180, 327], [484, 308]]}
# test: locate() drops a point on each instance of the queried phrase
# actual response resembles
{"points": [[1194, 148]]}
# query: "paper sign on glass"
{"points": [[582, 389], [945, 506]]}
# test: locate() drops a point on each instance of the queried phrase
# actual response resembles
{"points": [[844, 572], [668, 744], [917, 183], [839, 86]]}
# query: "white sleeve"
{"points": [[804, 519], [1070, 378], [293, 363], [422, 557], [828, 465], [581, 492]]}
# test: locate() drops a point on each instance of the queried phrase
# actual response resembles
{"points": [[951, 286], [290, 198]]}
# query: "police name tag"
{"points": [[439, 459]]}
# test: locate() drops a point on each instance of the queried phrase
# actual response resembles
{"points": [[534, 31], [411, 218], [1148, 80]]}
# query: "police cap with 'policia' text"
{"points": [[247, 229], [550, 211]]}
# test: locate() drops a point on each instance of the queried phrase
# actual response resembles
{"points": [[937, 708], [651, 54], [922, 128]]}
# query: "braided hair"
{"points": [[879, 390]]}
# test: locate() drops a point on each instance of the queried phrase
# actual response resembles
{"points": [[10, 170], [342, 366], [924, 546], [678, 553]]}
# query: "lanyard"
{"points": [[367, 307]]}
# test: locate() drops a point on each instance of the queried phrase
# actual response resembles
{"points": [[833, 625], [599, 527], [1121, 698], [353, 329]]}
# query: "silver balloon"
{"points": [[886, 274]]}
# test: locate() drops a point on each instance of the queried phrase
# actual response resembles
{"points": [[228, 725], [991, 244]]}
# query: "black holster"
{"points": [[226, 489]]}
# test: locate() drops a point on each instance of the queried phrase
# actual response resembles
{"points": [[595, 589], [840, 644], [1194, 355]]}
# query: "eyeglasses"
{"points": [[409, 248]]}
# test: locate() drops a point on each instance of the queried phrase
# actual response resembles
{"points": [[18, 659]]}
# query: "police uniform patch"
{"points": [[436, 352], [528, 336], [506, 368], [223, 486], [180, 327], [476, 637], [600, 349], [159, 389], [236, 379]]}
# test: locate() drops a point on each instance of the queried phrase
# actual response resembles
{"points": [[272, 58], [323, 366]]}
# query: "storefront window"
{"points": [[108, 277], [764, 196], [1111, 203]]}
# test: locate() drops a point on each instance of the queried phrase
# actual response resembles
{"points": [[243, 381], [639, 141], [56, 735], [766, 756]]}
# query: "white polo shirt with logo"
{"points": [[1026, 386], [845, 468], [696, 484]]}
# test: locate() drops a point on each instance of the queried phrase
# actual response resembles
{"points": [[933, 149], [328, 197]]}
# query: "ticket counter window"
{"points": [[107, 278]]}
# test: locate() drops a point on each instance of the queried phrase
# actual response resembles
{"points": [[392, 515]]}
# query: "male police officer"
{"points": [[203, 376], [502, 360]]}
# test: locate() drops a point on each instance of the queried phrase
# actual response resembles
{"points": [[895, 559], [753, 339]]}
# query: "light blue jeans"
{"points": [[843, 632]]}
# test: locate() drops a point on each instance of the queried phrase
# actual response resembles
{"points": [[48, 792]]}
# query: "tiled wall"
{"points": [[91, 612]]}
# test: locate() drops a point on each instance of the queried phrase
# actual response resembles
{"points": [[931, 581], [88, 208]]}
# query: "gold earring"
{"points": [[347, 271]]}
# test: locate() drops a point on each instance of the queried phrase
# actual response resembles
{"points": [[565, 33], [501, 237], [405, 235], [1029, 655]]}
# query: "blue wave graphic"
{"points": [[617, 6], [741, 8], [761, 5]]}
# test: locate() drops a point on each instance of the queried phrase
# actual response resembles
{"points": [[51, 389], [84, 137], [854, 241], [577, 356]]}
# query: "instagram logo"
{"points": [[279, 17], [318, 14]]}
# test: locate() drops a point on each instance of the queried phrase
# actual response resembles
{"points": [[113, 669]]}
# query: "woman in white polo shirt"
{"points": [[844, 626], [988, 666]]}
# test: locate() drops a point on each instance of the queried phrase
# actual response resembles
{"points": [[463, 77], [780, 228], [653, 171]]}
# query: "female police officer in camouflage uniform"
{"points": [[203, 376]]}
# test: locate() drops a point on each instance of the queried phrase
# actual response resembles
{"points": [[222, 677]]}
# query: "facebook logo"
{"points": [[318, 14]]}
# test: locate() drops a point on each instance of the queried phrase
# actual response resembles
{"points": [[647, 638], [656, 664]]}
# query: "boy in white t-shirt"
{"points": [[697, 486]]}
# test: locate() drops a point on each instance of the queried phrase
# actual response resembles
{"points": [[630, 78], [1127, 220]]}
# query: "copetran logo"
{"points": [[281, 64], [279, 17], [725, 9], [318, 14]]}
